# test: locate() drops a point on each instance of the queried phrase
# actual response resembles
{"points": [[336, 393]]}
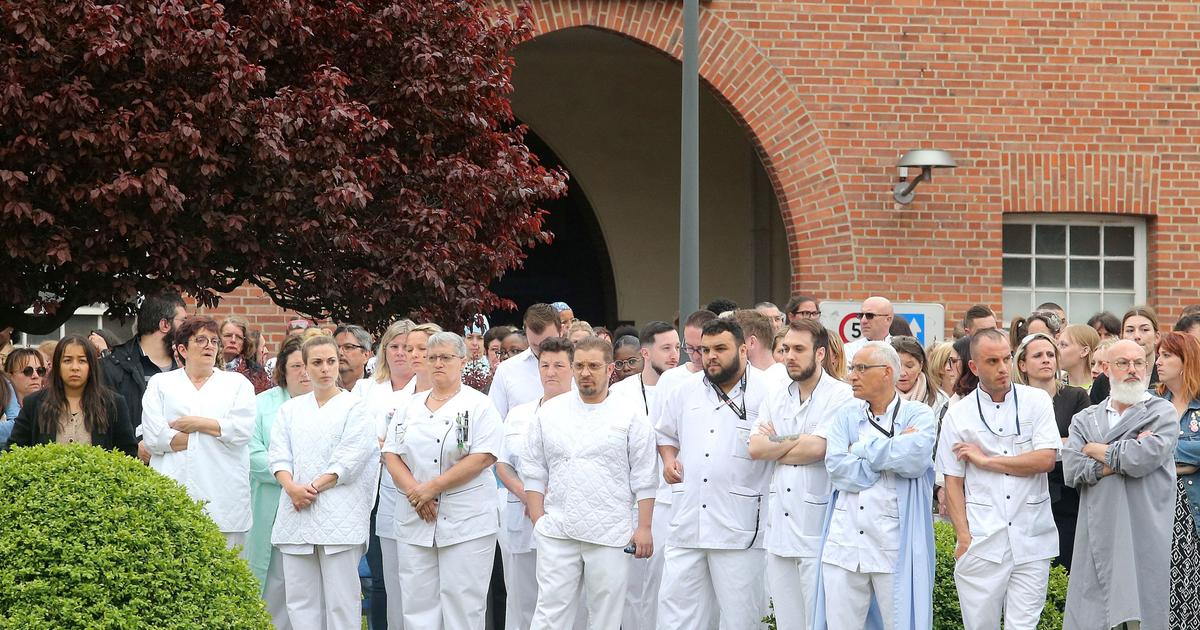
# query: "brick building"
{"points": [[1074, 125]]}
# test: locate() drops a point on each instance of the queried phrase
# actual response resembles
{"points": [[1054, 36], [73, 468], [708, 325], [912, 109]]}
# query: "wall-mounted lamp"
{"points": [[926, 160]]}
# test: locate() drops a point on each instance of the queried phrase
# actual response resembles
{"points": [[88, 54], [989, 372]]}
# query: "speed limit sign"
{"points": [[850, 328]]}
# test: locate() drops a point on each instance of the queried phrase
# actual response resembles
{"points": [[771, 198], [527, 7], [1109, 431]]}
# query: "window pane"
{"points": [[1058, 297], [1015, 303], [1118, 241], [1118, 274], [1085, 274], [1051, 239], [82, 324], [1083, 306], [1017, 239], [1085, 240], [1049, 272], [1118, 303], [1016, 272]]}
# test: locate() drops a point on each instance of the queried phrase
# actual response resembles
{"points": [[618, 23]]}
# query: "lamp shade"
{"points": [[927, 157]]}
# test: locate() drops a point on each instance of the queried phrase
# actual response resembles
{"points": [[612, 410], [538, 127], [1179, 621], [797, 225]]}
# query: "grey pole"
{"points": [[689, 188]]}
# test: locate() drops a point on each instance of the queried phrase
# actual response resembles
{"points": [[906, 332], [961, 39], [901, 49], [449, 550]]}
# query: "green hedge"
{"points": [[94, 539], [946, 613]]}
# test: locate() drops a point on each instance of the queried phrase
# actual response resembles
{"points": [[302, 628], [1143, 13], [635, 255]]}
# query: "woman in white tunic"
{"points": [[438, 452], [322, 451], [197, 423]]}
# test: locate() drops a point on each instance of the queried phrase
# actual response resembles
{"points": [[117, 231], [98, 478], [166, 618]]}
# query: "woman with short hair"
{"points": [[915, 383], [197, 422], [238, 353], [75, 406], [438, 451], [323, 453], [265, 560]]}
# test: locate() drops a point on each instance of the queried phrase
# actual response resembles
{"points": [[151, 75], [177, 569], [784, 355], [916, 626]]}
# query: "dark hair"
{"points": [[820, 335], [1141, 311], [540, 316], [900, 328], [978, 311], [1108, 322], [699, 318], [755, 324], [361, 335], [652, 330], [1050, 306], [627, 341], [624, 330], [797, 300], [193, 325], [720, 305], [967, 381], [496, 333], [1019, 327], [601, 331], [592, 342], [988, 333], [97, 399], [248, 347], [155, 309], [1186, 322], [1191, 309], [290, 346], [718, 326], [21, 357], [557, 344], [910, 346]]}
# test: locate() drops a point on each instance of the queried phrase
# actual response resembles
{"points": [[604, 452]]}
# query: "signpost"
{"points": [[928, 321]]}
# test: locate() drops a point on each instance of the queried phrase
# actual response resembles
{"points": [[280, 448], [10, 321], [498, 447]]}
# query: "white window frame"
{"points": [[1140, 259]]}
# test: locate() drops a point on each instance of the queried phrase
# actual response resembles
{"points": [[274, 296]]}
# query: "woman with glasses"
{"points": [[627, 355], [493, 343], [438, 451], [238, 354], [514, 343], [1179, 382], [197, 422], [1035, 363], [945, 366], [75, 407], [26, 370]]}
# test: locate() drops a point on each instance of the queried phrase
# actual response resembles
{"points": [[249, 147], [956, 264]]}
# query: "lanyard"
{"points": [[1016, 413], [645, 401], [871, 419], [726, 400]]}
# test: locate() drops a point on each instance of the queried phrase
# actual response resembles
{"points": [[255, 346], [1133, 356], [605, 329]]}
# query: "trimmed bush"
{"points": [[946, 613], [94, 539]]}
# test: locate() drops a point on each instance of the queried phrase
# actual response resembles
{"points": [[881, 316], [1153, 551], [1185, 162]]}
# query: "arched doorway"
{"points": [[607, 108]]}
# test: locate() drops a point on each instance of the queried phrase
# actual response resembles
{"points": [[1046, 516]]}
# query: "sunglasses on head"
{"points": [[29, 370]]}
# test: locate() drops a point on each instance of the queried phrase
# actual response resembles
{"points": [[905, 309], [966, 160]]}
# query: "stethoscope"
{"points": [[1016, 413]]}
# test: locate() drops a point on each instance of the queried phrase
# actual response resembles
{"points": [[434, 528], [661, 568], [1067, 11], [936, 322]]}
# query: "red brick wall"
{"points": [[1047, 105]]}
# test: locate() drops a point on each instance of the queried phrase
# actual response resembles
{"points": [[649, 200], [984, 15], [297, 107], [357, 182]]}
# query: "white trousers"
{"points": [[792, 584], [391, 582], [446, 587], [520, 581], [323, 591], [275, 592], [236, 539], [987, 590], [645, 576], [848, 596], [735, 576], [562, 565]]}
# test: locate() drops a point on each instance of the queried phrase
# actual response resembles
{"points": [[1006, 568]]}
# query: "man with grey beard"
{"points": [[1120, 455]]}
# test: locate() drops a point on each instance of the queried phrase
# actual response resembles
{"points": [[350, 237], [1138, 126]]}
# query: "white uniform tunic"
{"points": [[716, 537], [516, 381], [1013, 535], [215, 470], [518, 530]]}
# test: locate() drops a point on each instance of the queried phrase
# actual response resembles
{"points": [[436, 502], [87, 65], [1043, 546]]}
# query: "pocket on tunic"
{"points": [[467, 503], [812, 514], [978, 512], [1041, 520], [514, 516], [744, 506], [1023, 445], [741, 442]]}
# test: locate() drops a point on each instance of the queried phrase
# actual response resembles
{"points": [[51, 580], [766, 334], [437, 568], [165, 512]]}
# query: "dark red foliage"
{"points": [[356, 160]]}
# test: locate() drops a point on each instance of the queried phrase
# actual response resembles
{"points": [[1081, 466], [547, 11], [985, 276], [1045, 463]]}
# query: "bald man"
{"points": [[875, 319], [1120, 455]]}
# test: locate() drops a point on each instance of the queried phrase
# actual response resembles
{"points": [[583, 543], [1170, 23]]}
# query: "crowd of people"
{"points": [[740, 463]]}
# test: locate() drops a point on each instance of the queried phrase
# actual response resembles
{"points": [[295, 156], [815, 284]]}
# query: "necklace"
{"points": [[445, 398]]}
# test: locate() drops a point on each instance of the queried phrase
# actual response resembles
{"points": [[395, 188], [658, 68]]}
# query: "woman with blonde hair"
{"points": [[1076, 346], [944, 366], [835, 358]]}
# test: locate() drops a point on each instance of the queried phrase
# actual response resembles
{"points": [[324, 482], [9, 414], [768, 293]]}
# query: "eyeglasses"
{"points": [[869, 316], [589, 367], [204, 342], [953, 360], [807, 314], [441, 358], [690, 349], [347, 347], [233, 336], [628, 363], [861, 368], [30, 370], [1125, 364]]}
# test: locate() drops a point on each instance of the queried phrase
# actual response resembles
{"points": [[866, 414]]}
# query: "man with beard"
{"points": [[660, 352], [354, 351], [715, 542], [130, 365], [589, 458], [1120, 454], [790, 431]]}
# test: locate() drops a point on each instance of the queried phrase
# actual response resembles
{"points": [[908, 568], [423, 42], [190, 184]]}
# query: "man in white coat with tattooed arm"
{"points": [[589, 457]]}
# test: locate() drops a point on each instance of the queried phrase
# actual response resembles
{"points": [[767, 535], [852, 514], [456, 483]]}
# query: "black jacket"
{"points": [[119, 434], [123, 374]]}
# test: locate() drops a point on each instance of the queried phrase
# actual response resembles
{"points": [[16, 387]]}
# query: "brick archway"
{"points": [[801, 169]]}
